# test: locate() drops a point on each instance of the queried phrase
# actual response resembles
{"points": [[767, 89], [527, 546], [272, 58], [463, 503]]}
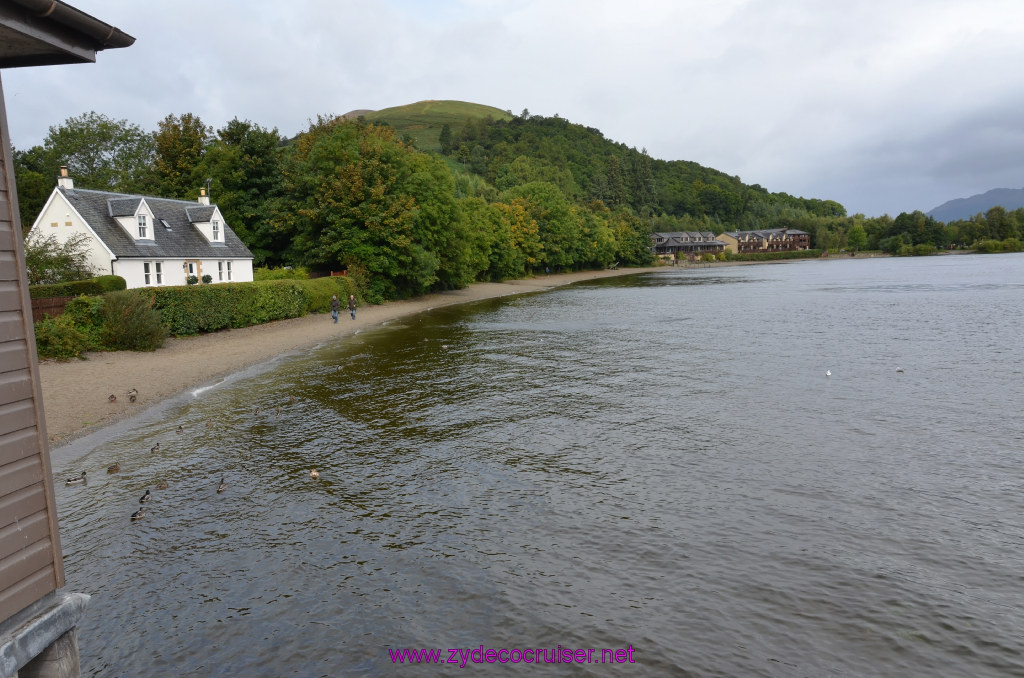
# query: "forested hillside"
{"points": [[440, 194]]}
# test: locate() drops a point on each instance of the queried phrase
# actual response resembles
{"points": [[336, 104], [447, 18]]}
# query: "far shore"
{"points": [[76, 394]]}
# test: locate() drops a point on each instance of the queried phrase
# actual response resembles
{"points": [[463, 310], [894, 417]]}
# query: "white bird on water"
{"points": [[828, 373], [900, 370]]}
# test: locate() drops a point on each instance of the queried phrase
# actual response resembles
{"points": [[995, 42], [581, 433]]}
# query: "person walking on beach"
{"points": [[352, 305], [335, 307]]}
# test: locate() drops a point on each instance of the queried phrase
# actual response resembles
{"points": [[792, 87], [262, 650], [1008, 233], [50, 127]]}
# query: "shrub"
{"points": [[110, 283], [209, 308], [49, 261], [131, 323], [100, 285], [207, 279], [773, 256], [924, 250], [192, 280], [997, 246], [86, 314], [290, 273], [59, 339]]}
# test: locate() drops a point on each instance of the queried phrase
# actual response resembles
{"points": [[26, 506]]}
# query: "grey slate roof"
{"points": [[766, 233], [181, 240]]}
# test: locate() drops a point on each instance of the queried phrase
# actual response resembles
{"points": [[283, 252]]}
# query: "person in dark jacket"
{"points": [[335, 307], [352, 305]]}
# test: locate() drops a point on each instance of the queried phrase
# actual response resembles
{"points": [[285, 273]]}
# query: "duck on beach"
{"points": [[76, 481], [112, 398]]}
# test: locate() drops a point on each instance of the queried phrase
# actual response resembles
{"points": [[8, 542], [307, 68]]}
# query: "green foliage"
{"points": [[773, 256], [59, 339], [424, 121], [857, 237], [996, 246], [192, 280], [111, 283], [49, 261], [86, 315], [207, 279], [181, 145], [99, 152], [191, 310], [283, 273], [243, 166], [100, 285], [130, 323], [356, 195]]}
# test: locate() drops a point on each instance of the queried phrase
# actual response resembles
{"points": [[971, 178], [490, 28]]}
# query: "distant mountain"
{"points": [[423, 120], [965, 208]]}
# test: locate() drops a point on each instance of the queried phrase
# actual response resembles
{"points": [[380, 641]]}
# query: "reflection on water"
{"points": [[654, 461]]}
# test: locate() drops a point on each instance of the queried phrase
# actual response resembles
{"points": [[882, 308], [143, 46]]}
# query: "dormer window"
{"points": [[142, 225], [216, 230]]}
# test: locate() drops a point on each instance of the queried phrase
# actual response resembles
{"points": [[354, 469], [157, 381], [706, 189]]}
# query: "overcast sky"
{"points": [[885, 106]]}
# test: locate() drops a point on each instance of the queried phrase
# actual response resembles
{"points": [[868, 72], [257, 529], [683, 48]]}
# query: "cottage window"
{"points": [[142, 225], [153, 270], [216, 230], [229, 269], [220, 270]]}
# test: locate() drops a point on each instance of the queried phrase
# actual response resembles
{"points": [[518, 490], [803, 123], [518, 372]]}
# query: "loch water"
{"points": [[656, 461]]}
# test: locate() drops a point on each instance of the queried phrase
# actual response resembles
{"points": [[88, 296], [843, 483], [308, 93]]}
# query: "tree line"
{"points": [[502, 200], [343, 194]]}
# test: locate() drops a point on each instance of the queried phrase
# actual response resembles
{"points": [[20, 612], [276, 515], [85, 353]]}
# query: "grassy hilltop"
{"points": [[423, 120]]}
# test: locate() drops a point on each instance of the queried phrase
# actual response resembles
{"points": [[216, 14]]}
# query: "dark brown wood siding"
{"points": [[30, 556]]}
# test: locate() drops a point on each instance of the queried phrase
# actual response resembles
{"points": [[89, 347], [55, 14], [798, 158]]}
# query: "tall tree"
{"points": [[181, 144], [356, 196], [244, 167], [445, 139], [99, 152], [642, 186]]}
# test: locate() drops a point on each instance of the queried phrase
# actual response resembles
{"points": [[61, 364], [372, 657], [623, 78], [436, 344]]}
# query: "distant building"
{"points": [[683, 244], [148, 241], [770, 240]]}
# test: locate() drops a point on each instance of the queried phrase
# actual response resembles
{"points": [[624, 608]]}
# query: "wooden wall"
{"points": [[30, 554]]}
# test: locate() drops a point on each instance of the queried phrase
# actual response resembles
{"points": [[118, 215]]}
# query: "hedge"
{"points": [[93, 286], [773, 256], [195, 309]]}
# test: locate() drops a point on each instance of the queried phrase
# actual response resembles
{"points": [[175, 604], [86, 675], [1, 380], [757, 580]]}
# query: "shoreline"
{"points": [[75, 394]]}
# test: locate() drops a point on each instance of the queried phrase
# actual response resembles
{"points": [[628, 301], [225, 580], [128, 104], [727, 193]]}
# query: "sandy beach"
{"points": [[75, 394]]}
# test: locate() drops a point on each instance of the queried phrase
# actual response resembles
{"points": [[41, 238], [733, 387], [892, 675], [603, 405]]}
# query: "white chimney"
{"points": [[64, 181], [203, 198]]}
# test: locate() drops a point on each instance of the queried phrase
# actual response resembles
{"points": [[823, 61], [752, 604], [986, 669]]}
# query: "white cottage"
{"points": [[147, 241]]}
